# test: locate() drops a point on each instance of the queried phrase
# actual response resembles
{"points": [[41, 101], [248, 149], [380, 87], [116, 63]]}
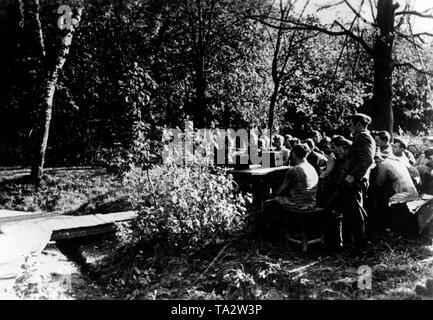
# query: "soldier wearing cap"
{"points": [[355, 177]]}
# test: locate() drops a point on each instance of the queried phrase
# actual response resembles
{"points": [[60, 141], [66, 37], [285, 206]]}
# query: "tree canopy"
{"points": [[153, 64]]}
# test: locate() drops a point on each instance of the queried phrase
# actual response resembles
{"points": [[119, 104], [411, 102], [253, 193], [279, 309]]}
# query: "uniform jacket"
{"points": [[360, 157]]}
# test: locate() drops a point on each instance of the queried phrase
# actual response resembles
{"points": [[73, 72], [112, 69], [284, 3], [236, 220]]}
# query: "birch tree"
{"points": [[51, 69]]}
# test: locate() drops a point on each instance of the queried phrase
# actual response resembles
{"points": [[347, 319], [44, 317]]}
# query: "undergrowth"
{"points": [[234, 267], [65, 191], [245, 269]]}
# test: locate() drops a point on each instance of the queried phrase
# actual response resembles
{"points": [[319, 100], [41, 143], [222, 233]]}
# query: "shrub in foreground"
{"points": [[184, 207]]}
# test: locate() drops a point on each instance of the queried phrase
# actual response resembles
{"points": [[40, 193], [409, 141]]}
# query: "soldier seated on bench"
{"points": [[296, 193]]}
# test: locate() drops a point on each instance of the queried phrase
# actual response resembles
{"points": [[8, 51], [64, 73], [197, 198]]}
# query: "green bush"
{"points": [[184, 207]]}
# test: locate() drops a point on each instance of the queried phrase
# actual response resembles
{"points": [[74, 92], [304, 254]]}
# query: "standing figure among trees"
{"points": [[354, 181]]}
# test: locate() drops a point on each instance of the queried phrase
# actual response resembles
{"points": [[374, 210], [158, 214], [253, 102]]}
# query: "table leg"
{"points": [[260, 192]]}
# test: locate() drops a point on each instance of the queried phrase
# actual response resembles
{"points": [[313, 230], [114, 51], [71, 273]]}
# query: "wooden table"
{"points": [[261, 180]]}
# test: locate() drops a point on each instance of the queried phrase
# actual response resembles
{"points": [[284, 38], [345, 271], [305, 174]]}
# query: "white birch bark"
{"points": [[48, 89]]}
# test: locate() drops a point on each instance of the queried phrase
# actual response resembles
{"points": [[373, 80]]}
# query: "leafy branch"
{"points": [[410, 65]]}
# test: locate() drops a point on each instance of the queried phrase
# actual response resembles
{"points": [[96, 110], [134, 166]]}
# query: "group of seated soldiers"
{"points": [[317, 176]]}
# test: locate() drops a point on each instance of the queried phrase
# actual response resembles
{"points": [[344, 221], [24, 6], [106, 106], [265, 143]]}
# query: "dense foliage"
{"points": [[133, 68], [138, 67], [183, 207]]}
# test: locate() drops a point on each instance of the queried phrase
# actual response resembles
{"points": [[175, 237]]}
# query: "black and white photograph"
{"points": [[227, 152]]}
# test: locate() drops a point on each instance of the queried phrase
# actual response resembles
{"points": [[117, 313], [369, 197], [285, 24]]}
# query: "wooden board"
{"points": [[82, 232], [69, 226], [117, 216], [93, 225], [11, 214], [23, 234]]}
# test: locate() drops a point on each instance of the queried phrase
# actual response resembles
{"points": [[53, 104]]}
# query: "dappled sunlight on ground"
{"points": [[50, 275], [239, 268]]}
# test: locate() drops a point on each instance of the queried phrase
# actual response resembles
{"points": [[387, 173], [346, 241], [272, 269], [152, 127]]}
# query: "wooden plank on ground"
{"points": [[27, 235], [6, 215], [106, 224], [117, 216], [22, 228], [53, 222], [71, 222], [67, 226], [82, 232]]}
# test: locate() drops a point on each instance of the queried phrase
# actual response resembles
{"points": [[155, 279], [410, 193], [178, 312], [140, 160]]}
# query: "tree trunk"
{"points": [[276, 74], [275, 77], [200, 79], [272, 104], [48, 89], [32, 51], [382, 113], [32, 27], [200, 99], [47, 102]]}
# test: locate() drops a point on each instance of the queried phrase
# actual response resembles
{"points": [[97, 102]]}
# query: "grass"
{"points": [[240, 268], [250, 270], [77, 191]]}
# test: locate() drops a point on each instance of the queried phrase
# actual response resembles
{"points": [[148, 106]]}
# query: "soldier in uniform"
{"points": [[354, 181]]}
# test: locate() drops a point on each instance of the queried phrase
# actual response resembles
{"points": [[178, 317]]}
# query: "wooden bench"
{"points": [[300, 223]]}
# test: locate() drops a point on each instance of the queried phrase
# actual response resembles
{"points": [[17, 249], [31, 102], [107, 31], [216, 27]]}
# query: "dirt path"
{"points": [[50, 275]]}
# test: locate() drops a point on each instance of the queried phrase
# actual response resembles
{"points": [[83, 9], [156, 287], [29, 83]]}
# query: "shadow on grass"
{"points": [[74, 191], [22, 176], [243, 267], [15, 179], [109, 202]]}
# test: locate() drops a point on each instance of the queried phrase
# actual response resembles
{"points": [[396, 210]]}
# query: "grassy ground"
{"points": [[241, 268], [77, 191], [244, 269]]}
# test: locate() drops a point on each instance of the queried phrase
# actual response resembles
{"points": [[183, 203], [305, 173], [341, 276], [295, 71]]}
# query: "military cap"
{"points": [[361, 117]]}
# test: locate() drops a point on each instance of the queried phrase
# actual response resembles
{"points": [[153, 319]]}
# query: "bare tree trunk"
{"points": [[382, 113], [274, 71], [48, 89], [47, 98], [198, 107], [33, 49], [272, 104], [31, 23], [200, 80]]}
